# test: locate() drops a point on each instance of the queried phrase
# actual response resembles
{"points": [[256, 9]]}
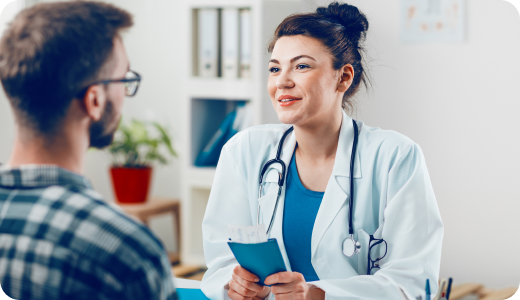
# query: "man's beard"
{"points": [[99, 138]]}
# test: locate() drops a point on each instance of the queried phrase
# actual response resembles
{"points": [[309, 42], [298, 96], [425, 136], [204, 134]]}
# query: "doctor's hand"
{"points": [[244, 286], [292, 286]]}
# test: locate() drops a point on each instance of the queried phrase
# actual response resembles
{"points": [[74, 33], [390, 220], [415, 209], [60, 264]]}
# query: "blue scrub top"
{"points": [[300, 210]]}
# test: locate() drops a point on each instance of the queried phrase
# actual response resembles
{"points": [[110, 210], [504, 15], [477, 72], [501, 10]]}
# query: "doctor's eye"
{"points": [[274, 70], [302, 66]]}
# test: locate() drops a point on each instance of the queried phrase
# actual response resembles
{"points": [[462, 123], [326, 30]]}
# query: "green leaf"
{"points": [[165, 138], [134, 146]]}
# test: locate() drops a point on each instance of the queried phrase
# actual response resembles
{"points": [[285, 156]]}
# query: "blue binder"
{"points": [[262, 259]]}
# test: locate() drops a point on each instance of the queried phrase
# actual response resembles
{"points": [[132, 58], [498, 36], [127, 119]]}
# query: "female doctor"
{"points": [[338, 240]]}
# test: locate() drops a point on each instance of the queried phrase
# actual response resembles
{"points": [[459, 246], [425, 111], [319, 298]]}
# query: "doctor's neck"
{"points": [[319, 139]]}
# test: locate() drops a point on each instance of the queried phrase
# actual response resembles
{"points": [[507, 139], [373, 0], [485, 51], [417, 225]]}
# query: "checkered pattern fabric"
{"points": [[60, 240]]}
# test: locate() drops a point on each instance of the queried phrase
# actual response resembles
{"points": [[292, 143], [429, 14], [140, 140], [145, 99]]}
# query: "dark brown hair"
{"points": [[50, 51], [342, 29]]}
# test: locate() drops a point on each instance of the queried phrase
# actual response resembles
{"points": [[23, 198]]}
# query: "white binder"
{"points": [[208, 42], [245, 43], [230, 43]]}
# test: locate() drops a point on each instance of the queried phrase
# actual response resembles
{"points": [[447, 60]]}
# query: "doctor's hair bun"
{"points": [[349, 16], [342, 29]]}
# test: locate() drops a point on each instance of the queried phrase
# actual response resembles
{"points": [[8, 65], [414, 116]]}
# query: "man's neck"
{"points": [[64, 151]]}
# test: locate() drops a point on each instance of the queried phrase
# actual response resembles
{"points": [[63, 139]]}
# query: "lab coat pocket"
{"points": [[267, 204], [363, 239]]}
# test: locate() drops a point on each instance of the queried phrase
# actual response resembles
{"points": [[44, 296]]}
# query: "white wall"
{"points": [[459, 102], [6, 117]]}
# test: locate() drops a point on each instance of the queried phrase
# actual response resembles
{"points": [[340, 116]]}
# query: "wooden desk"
{"points": [[462, 290], [158, 206], [498, 294]]}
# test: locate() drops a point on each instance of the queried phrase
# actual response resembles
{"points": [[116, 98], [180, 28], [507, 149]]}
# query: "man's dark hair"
{"points": [[51, 51]]}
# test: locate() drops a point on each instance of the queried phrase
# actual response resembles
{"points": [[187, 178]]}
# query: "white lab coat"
{"points": [[394, 200]]}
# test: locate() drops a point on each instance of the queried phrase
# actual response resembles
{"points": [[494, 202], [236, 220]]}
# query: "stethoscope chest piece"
{"points": [[351, 247]]}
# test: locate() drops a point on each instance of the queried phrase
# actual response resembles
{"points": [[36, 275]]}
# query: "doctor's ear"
{"points": [[346, 77], [94, 101]]}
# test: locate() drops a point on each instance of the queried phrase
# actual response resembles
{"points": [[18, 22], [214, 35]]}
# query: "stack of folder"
{"points": [[224, 43]]}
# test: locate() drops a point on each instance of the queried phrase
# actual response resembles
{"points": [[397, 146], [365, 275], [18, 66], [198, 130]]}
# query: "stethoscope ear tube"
{"points": [[352, 247], [281, 179], [351, 197]]}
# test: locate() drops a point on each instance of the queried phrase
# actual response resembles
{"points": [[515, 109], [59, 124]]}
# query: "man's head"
{"points": [[52, 53]]}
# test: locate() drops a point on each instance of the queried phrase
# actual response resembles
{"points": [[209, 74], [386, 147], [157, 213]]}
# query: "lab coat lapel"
{"points": [[336, 194]]}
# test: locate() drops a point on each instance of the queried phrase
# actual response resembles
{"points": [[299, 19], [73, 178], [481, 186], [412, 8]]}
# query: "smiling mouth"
{"points": [[287, 100]]}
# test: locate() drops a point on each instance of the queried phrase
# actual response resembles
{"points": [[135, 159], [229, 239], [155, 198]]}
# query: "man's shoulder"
{"points": [[106, 225], [80, 241], [81, 221]]}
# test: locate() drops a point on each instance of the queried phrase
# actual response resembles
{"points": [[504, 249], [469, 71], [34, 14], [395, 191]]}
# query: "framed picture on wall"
{"points": [[433, 20]]}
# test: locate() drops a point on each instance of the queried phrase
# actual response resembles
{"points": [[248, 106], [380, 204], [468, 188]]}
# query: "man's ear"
{"points": [[94, 101], [345, 78]]}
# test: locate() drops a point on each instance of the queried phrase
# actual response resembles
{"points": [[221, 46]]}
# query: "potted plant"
{"points": [[133, 152]]}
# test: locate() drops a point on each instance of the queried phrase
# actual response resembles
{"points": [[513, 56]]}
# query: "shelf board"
{"points": [[200, 177], [221, 88], [220, 3]]}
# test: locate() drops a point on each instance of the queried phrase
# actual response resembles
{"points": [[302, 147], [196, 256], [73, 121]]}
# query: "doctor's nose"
{"points": [[284, 81]]}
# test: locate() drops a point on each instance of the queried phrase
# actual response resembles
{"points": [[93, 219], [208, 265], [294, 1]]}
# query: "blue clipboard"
{"points": [[262, 259]]}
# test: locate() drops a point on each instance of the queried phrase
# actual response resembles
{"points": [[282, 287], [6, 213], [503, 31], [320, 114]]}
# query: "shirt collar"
{"points": [[40, 176]]}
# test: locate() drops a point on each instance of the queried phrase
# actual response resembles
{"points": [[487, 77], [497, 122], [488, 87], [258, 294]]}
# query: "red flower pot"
{"points": [[131, 185]]}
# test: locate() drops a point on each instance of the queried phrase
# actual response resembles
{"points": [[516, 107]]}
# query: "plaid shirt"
{"points": [[60, 240]]}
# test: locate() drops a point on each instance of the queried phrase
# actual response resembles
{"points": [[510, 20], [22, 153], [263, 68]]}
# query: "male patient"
{"points": [[58, 239]]}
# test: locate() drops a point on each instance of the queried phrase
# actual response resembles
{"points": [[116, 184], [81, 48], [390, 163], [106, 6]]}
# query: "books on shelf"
{"points": [[224, 42]]}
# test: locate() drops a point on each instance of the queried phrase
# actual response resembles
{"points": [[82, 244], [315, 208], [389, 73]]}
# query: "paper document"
{"points": [[247, 234]]}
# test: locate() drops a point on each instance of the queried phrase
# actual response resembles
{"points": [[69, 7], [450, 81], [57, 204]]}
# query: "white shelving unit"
{"points": [[207, 100]]}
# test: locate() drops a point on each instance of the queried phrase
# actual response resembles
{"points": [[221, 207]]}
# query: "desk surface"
{"points": [[151, 206], [182, 283]]}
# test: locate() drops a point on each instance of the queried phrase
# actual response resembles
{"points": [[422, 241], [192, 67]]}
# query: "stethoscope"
{"points": [[351, 247]]}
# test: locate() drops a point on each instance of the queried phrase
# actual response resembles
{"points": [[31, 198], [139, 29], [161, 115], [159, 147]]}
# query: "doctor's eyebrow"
{"points": [[293, 59]]}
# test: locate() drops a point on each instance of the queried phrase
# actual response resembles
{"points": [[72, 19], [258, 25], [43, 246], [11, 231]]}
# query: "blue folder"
{"points": [[191, 294], [262, 259], [210, 154]]}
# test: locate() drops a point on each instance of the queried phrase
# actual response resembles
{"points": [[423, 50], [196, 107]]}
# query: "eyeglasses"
{"points": [[373, 264], [132, 80]]}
